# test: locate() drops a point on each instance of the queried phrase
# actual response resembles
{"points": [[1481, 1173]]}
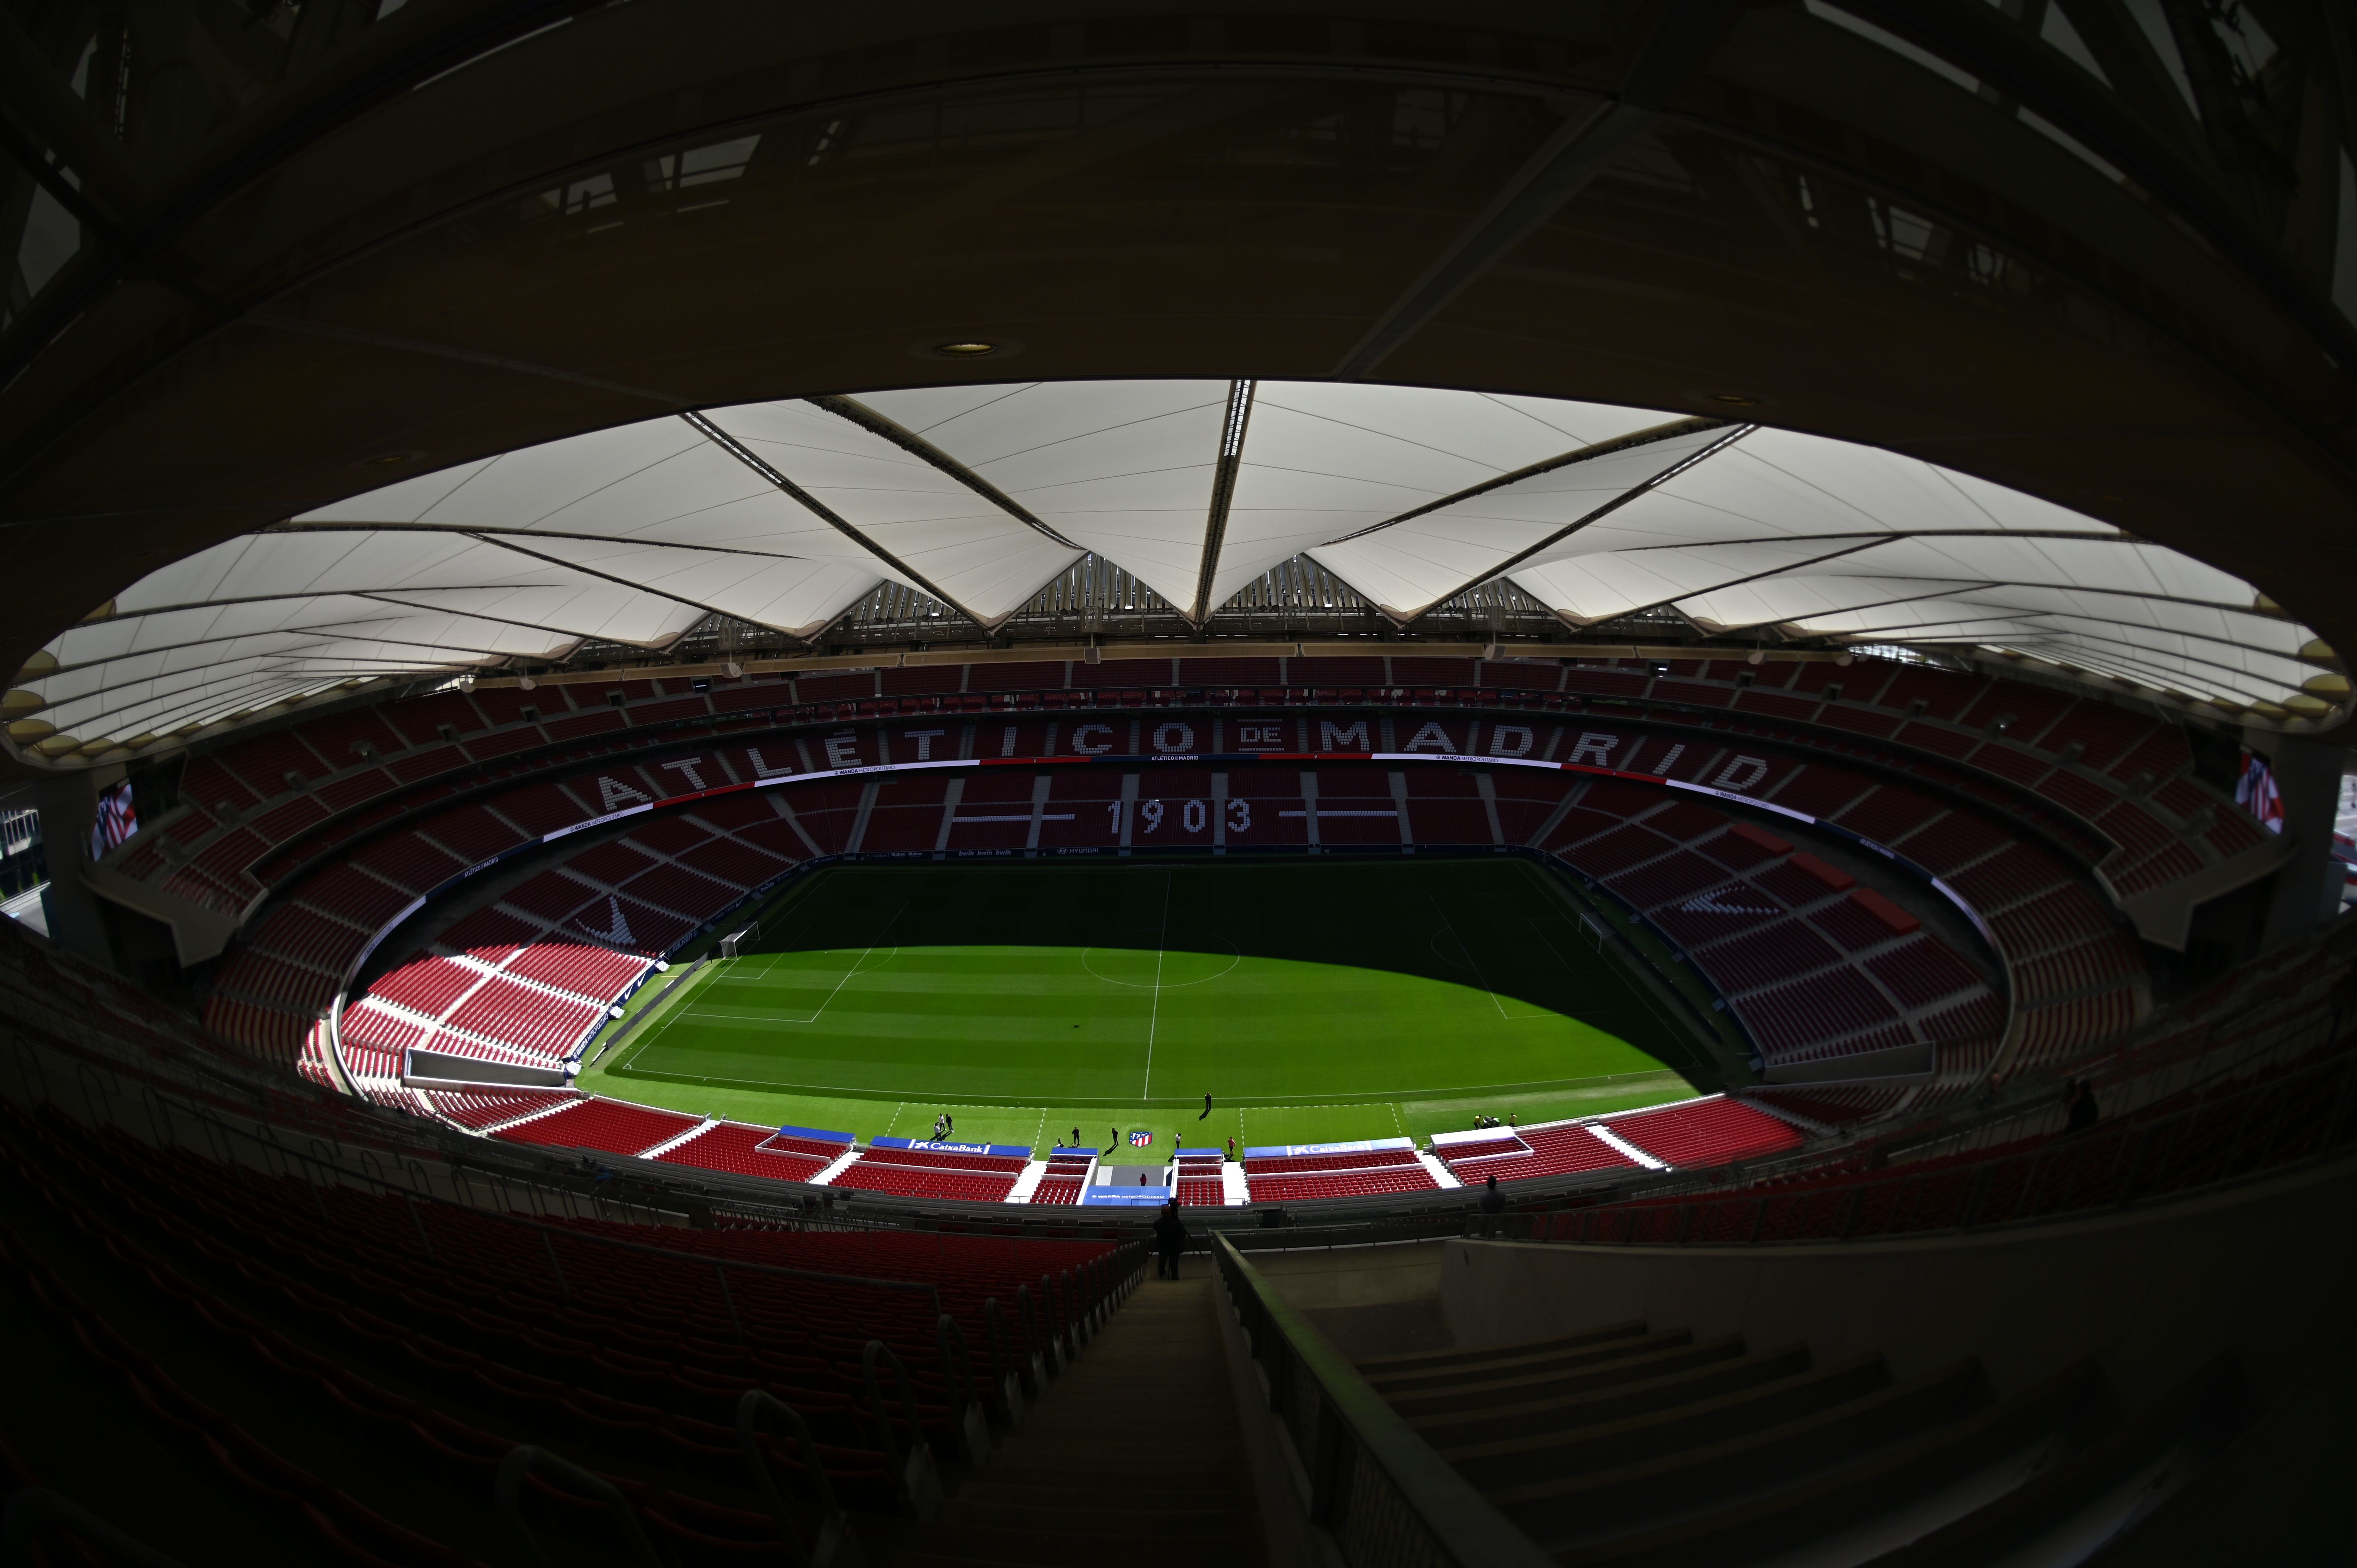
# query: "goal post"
{"points": [[735, 940], [1591, 930]]}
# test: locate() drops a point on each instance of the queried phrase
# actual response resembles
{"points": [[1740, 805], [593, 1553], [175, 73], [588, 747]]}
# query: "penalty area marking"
{"points": [[1474, 964], [672, 1009]]}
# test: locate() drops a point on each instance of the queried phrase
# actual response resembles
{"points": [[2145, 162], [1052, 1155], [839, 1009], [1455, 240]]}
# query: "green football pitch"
{"points": [[1312, 999]]}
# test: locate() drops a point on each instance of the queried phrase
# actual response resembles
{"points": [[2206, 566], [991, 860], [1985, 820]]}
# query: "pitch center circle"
{"points": [[1138, 965]]}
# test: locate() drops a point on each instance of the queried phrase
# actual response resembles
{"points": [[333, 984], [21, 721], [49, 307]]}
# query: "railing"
{"points": [[1378, 1490], [2300, 1115]]}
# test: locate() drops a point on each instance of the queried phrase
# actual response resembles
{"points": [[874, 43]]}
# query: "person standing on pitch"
{"points": [[1207, 1108], [1169, 1240]]}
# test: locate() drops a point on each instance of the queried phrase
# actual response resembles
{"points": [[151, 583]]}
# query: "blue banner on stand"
{"points": [[816, 1135], [1126, 1197]]}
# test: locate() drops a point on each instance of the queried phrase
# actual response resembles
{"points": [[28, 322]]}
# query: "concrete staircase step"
{"points": [[1136, 1455], [1879, 1483], [1710, 1380], [1548, 1455], [1490, 1392], [1566, 1510], [1374, 1367], [1524, 1364]]}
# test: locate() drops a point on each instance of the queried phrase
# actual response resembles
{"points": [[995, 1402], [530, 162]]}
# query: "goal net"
{"points": [[742, 938]]}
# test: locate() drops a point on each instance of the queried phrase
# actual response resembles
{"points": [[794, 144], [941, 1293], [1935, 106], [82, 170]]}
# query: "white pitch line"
{"points": [[1154, 1014], [853, 970], [1470, 961]]}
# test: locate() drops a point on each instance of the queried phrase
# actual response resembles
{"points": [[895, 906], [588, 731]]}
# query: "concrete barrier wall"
{"points": [[2266, 1270], [1370, 1301]]}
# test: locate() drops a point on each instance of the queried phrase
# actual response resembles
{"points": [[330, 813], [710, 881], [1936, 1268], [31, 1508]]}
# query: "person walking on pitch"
{"points": [[1207, 1108]]}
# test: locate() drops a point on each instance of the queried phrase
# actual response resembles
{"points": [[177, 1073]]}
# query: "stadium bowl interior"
{"points": [[1626, 717]]}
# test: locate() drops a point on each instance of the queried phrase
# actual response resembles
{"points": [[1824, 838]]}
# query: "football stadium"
{"points": [[1322, 784]]}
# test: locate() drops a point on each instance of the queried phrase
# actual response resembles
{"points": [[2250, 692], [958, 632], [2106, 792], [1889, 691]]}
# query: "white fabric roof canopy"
{"points": [[786, 513]]}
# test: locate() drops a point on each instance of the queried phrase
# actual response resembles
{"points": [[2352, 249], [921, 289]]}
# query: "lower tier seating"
{"points": [[743, 1150], [1303, 1178], [924, 1173]]}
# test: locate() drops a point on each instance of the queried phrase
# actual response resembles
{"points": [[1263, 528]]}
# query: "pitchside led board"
{"points": [[1153, 1194]]}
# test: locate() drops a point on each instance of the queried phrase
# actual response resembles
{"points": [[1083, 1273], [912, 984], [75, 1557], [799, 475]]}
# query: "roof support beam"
{"points": [[2060, 625], [696, 605], [1223, 494], [1682, 42], [1635, 438], [474, 531], [1671, 603], [1659, 433], [917, 446], [826, 514], [332, 631]]}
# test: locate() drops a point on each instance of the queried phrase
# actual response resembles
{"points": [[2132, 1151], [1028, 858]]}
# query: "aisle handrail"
{"points": [[1381, 1491]]}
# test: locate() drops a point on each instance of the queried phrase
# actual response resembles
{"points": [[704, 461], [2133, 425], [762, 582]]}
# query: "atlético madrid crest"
{"points": [[1139, 1138]]}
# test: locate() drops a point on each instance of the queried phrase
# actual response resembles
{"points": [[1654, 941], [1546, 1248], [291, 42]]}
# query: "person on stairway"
{"points": [[1493, 1204], [1169, 1242], [2079, 1101]]}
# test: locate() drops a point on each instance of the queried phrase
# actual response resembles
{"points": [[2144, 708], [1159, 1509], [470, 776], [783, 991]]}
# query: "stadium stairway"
{"points": [[1643, 1448], [1136, 1456]]}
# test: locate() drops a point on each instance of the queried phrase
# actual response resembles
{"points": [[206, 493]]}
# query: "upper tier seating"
{"points": [[322, 781], [1815, 965]]}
